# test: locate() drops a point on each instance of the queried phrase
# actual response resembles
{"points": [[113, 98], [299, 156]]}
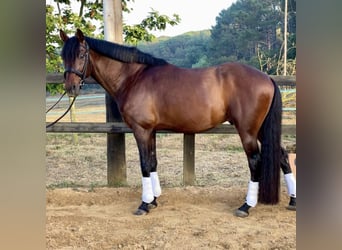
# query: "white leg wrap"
{"points": [[291, 184], [252, 194], [155, 184], [147, 193]]}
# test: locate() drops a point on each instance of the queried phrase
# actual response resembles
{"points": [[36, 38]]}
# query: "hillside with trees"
{"points": [[185, 50], [248, 31]]}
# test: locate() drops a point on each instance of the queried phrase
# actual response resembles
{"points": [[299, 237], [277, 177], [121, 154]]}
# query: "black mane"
{"points": [[115, 51]]}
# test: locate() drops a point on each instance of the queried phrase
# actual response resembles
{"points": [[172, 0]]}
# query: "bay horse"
{"points": [[153, 94]]}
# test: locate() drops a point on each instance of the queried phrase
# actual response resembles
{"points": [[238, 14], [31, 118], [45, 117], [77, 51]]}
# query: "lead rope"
{"points": [[53, 123], [47, 111]]}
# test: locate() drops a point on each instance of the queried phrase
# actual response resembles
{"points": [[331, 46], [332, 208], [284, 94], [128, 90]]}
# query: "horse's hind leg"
{"points": [[251, 148], [289, 179]]}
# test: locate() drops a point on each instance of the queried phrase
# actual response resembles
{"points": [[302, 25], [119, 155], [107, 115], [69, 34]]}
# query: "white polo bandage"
{"points": [[252, 194], [147, 193], [155, 184], [291, 184]]}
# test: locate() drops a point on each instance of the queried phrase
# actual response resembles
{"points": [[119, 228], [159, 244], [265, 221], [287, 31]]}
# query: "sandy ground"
{"points": [[186, 218], [82, 213]]}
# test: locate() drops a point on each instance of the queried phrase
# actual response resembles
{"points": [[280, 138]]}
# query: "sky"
{"points": [[195, 14]]}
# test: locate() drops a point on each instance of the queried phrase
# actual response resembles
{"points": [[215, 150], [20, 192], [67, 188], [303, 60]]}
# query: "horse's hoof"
{"points": [[142, 209], [241, 214], [293, 208], [140, 212], [153, 204], [292, 205], [242, 211]]}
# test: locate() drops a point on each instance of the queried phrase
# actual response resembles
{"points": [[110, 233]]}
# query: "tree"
{"points": [[87, 16], [291, 39], [185, 50], [250, 31], [154, 21], [61, 15]]}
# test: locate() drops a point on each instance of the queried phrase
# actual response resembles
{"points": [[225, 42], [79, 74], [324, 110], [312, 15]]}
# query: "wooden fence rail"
{"points": [[116, 162], [58, 78], [120, 128]]}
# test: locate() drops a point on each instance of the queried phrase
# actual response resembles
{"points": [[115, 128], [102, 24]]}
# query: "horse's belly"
{"points": [[187, 120]]}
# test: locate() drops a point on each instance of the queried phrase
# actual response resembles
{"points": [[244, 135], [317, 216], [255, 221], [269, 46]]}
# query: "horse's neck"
{"points": [[112, 75]]}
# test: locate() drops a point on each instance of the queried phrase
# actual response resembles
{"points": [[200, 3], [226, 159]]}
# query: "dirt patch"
{"points": [[186, 218]]}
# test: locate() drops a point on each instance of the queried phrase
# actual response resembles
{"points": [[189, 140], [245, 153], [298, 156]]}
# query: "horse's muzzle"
{"points": [[73, 89]]}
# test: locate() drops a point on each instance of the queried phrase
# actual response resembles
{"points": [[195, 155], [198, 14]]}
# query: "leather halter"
{"points": [[80, 74]]}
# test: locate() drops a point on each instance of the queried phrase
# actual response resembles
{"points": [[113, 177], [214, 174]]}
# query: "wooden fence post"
{"points": [[189, 159], [116, 156], [116, 147]]}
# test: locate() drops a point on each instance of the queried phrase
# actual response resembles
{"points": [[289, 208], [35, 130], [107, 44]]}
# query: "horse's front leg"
{"points": [[148, 162], [153, 174]]}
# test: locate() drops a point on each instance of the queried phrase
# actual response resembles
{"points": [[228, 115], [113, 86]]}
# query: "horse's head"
{"points": [[75, 55]]}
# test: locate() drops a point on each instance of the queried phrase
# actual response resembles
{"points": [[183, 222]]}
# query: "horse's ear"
{"points": [[79, 35], [63, 36]]}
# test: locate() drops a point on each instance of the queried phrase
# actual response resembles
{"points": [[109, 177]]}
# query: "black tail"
{"points": [[271, 151]]}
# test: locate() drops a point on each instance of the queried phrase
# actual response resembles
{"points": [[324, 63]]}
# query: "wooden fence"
{"points": [[116, 130]]}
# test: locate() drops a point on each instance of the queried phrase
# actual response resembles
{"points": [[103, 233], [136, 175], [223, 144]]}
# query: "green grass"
{"points": [[67, 184], [64, 184], [234, 148]]}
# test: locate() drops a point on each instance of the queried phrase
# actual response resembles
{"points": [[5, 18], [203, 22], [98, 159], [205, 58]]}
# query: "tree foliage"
{"points": [[186, 50], [252, 32], [87, 16], [62, 15], [249, 31], [154, 21]]}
